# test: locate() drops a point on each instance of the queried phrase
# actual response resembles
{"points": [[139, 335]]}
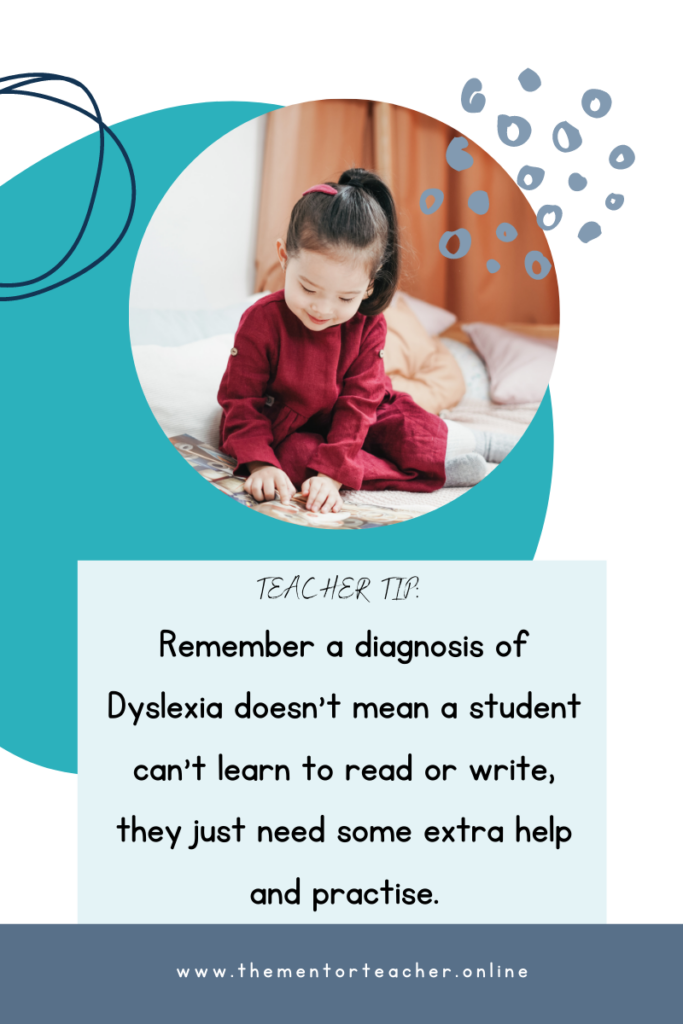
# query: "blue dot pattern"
{"points": [[589, 231], [529, 80], [479, 202], [506, 232]]}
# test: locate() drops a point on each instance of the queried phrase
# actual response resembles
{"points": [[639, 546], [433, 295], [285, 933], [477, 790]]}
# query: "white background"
{"points": [[615, 388]]}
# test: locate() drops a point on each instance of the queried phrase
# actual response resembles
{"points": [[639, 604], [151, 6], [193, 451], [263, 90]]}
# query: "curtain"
{"points": [[313, 142]]}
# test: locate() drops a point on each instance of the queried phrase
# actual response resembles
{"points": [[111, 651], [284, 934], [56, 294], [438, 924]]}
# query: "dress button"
{"points": [[381, 352], [233, 351], [270, 400]]}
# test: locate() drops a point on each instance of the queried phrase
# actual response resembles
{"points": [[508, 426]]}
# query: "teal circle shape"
{"points": [[93, 477]]}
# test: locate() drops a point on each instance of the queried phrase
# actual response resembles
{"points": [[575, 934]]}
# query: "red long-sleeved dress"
{"points": [[314, 402]]}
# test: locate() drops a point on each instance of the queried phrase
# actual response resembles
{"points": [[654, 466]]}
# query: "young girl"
{"points": [[306, 402]]}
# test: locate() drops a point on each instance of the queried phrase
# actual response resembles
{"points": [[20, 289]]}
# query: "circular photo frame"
{"points": [[344, 314]]}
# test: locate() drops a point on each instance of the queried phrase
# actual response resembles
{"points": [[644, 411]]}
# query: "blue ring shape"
{"points": [[603, 98], [537, 257], [614, 201], [626, 153], [523, 127], [544, 211], [537, 176], [438, 200], [465, 239], [506, 232], [573, 134]]}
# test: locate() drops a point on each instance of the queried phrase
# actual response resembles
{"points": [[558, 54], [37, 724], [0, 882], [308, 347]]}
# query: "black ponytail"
{"points": [[362, 215]]}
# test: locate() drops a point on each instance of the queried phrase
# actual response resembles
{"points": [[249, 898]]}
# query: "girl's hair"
{"points": [[360, 216]]}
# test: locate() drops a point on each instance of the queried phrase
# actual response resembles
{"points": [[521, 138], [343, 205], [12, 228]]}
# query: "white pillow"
{"points": [[519, 367], [434, 319], [181, 385], [181, 326], [473, 370]]}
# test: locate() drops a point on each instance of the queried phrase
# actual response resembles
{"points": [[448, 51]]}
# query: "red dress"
{"points": [[314, 402]]}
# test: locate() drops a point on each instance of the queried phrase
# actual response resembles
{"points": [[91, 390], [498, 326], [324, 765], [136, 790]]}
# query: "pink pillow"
{"points": [[434, 319], [519, 367]]}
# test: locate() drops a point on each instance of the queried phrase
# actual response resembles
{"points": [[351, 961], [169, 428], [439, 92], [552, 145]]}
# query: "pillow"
{"points": [[170, 327], [419, 364], [519, 367], [408, 343], [546, 334], [181, 385], [473, 370], [434, 319]]}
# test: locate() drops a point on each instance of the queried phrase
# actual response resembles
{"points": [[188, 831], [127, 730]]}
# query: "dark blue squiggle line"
{"points": [[12, 90], [32, 78]]}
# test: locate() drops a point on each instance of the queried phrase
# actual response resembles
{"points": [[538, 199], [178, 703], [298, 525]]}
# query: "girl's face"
{"points": [[324, 288]]}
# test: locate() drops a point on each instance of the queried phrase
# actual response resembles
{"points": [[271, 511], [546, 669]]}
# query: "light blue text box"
{"points": [[123, 606]]}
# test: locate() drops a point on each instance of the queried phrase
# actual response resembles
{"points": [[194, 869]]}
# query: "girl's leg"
{"points": [[298, 450], [492, 446], [465, 470], [468, 451]]}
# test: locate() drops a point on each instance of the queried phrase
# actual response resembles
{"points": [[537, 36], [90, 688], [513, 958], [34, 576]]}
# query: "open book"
{"points": [[218, 468]]}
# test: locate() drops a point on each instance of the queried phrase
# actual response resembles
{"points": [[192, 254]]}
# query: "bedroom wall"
{"points": [[199, 250]]}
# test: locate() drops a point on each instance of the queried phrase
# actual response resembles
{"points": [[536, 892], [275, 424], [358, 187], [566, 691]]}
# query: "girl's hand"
{"points": [[265, 480], [322, 493]]}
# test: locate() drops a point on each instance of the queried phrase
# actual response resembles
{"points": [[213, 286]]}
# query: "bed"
{"points": [[494, 375]]}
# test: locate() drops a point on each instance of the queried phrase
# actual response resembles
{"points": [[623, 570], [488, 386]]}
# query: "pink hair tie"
{"points": [[327, 189]]}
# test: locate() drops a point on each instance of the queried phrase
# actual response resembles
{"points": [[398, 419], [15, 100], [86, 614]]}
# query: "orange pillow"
{"points": [[419, 364]]}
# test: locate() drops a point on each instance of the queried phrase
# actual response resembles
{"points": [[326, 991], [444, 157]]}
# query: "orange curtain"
{"points": [[312, 142], [305, 144]]}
